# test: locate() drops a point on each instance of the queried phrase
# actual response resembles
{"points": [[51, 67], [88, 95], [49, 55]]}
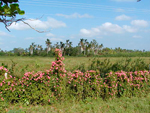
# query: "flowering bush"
{"points": [[56, 84]]}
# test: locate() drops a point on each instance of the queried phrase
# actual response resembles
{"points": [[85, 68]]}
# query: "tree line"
{"points": [[84, 48]]}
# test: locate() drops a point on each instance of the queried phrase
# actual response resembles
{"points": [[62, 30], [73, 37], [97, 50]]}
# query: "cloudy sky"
{"points": [[114, 23]]}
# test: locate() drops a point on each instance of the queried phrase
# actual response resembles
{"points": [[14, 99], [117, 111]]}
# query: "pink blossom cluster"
{"points": [[3, 69], [57, 67], [58, 81]]}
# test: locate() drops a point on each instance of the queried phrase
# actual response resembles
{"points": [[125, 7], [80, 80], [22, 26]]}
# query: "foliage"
{"points": [[117, 105], [57, 84], [8, 11], [84, 48], [127, 65], [10, 8]]}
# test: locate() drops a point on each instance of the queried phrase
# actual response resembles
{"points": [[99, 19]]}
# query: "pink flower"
{"points": [[2, 98], [49, 100]]}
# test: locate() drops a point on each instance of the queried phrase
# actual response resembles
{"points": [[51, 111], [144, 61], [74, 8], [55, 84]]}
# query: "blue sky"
{"points": [[114, 23]]}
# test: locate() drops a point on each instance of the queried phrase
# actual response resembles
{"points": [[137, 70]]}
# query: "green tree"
{"points": [[18, 51], [48, 44], [81, 45], [8, 11], [62, 47], [31, 48]]}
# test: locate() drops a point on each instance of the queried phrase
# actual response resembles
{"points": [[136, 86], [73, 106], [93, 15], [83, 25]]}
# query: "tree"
{"points": [[94, 46], [48, 44], [39, 47], [31, 48], [68, 48], [56, 45], [81, 44], [67, 43], [18, 51], [62, 46], [8, 11]]}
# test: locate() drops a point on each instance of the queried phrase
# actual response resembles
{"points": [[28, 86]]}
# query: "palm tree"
{"points": [[85, 46], [81, 44], [62, 46], [100, 47], [94, 46], [31, 48], [48, 44], [66, 46], [88, 47], [39, 48], [70, 46], [67, 43], [57, 45]]}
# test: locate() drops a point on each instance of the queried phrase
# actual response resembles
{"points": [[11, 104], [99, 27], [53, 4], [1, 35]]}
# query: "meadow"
{"points": [[21, 64], [47, 84], [121, 105]]}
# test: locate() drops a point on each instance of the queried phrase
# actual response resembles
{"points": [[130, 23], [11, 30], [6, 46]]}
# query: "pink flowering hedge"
{"points": [[56, 84]]}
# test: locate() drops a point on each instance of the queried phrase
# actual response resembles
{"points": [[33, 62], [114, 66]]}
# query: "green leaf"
{"points": [[21, 12]]}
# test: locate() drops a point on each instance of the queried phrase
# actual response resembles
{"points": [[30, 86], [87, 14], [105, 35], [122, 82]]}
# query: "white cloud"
{"points": [[139, 23], [5, 34], [56, 39], [122, 17], [38, 24], [90, 33], [75, 15], [130, 29], [50, 35], [137, 36], [109, 27], [124, 0], [104, 29]]}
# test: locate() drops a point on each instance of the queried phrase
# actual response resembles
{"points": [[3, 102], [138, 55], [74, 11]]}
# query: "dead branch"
{"points": [[9, 22]]}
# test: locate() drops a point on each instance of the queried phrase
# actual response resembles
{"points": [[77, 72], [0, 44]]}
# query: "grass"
{"points": [[25, 64], [117, 105]]}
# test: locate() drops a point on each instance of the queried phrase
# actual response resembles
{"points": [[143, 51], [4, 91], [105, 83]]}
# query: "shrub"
{"points": [[57, 84]]}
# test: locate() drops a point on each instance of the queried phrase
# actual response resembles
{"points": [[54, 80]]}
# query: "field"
{"points": [[121, 105], [22, 64], [136, 102]]}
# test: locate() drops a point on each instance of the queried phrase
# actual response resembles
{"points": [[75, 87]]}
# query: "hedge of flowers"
{"points": [[56, 84]]}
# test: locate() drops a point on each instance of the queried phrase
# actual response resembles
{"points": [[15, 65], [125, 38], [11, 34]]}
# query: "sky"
{"points": [[113, 23]]}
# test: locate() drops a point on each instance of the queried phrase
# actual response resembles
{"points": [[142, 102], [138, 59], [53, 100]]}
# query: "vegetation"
{"points": [[59, 85], [84, 48], [117, 105], [19, 65], [8, 11], [101, 85]]}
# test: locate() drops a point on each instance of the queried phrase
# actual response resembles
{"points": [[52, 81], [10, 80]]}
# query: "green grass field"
{"points": [[20, 65], [24, 64], [121, 105]]}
